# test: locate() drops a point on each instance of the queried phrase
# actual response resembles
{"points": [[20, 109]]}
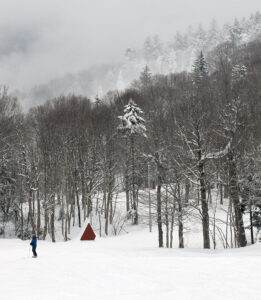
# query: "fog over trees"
{"points": [[162, 56], [185, 134]]}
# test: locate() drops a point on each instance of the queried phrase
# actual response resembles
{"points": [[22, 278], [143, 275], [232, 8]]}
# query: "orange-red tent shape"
{"points": [[88, 234]]}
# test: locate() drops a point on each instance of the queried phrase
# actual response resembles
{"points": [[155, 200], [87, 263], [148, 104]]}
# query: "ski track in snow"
{"points": [[126, 267]]}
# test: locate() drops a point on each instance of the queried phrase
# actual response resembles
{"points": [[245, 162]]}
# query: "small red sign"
{"points": [[88, 234]]}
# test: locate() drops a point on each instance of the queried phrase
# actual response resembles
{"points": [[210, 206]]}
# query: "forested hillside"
{"points": [[163, 57], [187, 134]]}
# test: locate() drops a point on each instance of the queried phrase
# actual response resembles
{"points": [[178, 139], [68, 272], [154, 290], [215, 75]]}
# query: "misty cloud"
{"points": [[16, 41], [42, 40]]}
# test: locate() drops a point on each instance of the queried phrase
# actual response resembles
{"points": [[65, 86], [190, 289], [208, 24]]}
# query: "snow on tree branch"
{"points": [[218, 154]]}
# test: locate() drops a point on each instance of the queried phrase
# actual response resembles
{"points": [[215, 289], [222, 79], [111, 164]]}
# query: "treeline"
{"points": [[67, 159], [177, 54]]}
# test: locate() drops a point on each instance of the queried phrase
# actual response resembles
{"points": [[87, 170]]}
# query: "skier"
{"points": [[34, 245]]}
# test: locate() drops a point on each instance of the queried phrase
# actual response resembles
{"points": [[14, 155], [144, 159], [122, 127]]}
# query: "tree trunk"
{"points": [[233, 188], [134, 196], [172, 222], [150, 217], [226, 191], [46, 212], [159, 218], [89, 199], [38, 213], [204, 204], [78, 203], [62, 212], [83, 190], [221, 193], [180, 219], [167, 218], [187, 189], [22, 220], [107, 214], [52, 225], [251, 223], [209, 195], [31, 211], [45, 202], [67, 226], [127, 191]]}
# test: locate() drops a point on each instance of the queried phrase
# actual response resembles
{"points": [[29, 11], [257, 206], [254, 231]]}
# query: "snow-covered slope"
{"points": [[126, 267], [130, 265]]}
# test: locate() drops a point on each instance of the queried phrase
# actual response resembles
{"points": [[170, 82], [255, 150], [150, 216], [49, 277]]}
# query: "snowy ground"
{"points": [[129, 266]]}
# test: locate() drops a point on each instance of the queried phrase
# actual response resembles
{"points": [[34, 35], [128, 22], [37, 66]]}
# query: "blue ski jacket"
{"points": [[34, 242]]}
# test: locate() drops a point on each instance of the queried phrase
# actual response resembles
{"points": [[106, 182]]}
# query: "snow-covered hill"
{"points": [[127, 267], [130, 265]]}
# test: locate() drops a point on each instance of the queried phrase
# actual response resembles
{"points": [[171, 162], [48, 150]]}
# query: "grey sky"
{"points": [[43, 39]]}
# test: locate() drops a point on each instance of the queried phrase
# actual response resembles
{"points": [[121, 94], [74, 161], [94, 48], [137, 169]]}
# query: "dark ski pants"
{"points": [[34, 251]]}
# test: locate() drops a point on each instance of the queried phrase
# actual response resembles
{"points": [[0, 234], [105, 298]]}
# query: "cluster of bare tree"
{"points": [[186, 133]]}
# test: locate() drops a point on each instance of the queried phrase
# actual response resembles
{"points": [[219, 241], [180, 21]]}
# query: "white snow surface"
{"points": [[128, 266]]}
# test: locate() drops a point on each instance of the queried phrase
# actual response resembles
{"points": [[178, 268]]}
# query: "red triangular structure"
{"points": [[88, 234]]}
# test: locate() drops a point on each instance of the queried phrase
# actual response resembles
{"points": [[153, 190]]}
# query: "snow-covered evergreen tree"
{"points": [[236, 31], [145, 77], [200, 70], [131, 122], [132, 125]]}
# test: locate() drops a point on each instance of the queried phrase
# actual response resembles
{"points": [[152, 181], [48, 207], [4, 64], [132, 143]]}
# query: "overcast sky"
{"points": [[43, 39]]}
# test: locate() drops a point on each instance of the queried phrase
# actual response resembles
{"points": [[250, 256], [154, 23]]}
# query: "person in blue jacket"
{"points": [[34, 245]]}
